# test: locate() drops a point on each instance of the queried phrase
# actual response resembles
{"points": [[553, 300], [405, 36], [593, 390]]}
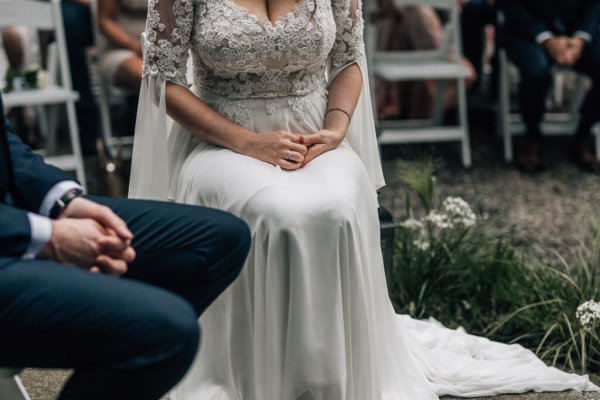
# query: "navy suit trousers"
{"points": [[132, 337]]}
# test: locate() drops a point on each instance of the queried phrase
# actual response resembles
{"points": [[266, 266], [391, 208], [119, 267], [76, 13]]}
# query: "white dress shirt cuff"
{"points": [[56, 193], [542, 37], [41, 231], [584, 35]]}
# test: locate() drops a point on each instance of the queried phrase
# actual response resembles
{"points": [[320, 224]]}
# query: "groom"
{"points": [[110, 287]]}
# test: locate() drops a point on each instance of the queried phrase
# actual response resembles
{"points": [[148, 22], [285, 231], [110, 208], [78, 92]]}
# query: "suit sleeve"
{"points": [[33, 177], [520, 20], [15, 231], [591, 18]]}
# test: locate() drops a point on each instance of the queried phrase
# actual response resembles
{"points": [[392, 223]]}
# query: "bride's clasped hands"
{"points": [[293, 151]]}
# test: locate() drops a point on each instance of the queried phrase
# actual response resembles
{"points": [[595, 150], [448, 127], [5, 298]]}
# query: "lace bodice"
{"points": [[238, 56]]}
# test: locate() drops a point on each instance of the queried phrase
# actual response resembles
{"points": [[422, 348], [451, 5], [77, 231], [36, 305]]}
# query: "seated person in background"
{"points": [[121, 22], [127, 338], [538, 34], [411, 28]]}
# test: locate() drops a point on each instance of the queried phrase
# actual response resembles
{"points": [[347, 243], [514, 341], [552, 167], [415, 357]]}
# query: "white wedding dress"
{"points": [[309, 318]]}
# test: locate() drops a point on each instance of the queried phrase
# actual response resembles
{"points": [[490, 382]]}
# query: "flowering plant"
{"points": [[444, 265], [32, 77]]}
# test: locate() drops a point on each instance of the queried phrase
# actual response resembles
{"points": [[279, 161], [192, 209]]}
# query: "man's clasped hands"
{"points": [[565, 50], [90, 236]]}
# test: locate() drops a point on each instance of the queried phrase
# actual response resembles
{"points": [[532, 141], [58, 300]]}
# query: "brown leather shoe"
{"points": [[584, 156], [528, 158]]}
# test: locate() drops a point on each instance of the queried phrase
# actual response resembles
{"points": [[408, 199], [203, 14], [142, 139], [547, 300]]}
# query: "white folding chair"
{"points": [[11, 387], [442, 65], [117, 146], [47, 16]]}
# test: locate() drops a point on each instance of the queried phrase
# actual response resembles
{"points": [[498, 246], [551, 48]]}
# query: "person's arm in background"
{"points": [[107, 23]]}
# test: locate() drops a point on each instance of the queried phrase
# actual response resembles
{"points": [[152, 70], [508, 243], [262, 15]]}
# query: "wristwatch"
{"points": [[64, 201]]}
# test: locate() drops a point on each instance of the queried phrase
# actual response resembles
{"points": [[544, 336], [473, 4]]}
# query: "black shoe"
{"points": [[528, 158], [584, 156]]}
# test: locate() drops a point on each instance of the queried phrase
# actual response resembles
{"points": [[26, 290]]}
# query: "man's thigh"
{"points": [[173, 241], [529, 57], [53, 315], [589, 62]]}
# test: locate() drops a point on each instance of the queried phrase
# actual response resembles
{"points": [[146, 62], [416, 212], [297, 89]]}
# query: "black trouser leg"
{"points": [[589, 64], [536, 78], [194, 251], [125, 339]]}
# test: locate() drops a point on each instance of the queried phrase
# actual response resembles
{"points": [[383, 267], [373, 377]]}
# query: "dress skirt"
{"points": [[309, 318]]}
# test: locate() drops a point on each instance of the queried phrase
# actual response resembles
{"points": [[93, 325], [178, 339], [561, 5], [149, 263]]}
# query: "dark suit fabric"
{"points": [[24, 181], [132, 337], [126, 337], [524, 20]]}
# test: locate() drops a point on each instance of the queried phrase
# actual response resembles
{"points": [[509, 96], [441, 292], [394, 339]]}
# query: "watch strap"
{"points": [[63, 202]]}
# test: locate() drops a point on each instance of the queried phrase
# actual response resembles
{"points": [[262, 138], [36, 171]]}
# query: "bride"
{"points": [[278, 130]]}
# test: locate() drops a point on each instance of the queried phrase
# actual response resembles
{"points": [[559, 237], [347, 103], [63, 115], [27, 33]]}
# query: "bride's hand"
{"points": [[320, 142], [278, 148]]}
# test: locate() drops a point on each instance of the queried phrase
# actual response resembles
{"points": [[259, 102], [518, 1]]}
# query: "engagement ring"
{"points": [[289, 156]]}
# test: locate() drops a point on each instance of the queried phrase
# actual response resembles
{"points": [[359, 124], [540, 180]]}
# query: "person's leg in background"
{"points": [[475, 16], [125, 339], [78, 29], [536, 78], [588, 64]]}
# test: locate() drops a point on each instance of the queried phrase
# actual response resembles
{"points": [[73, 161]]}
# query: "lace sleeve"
{"points": [[349, 45], [168, 32]]}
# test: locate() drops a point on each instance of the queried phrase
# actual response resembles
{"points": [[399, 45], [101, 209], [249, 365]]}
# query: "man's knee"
{"points": [[233, 239]]}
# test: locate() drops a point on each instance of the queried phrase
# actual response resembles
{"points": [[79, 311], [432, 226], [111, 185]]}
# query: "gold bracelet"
{"points": [[339, 109]]}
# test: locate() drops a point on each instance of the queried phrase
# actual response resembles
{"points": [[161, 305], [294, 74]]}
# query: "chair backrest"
{"points": [[40, 15]]}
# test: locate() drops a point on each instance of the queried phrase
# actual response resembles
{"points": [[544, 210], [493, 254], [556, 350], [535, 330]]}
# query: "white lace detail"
{"points": [[238, 56], [165, 52]]}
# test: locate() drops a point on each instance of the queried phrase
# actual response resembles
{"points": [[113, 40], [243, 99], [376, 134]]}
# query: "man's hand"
{"points": [[83, 242], [84, 208], [574, 50], [320, 142], [558, 49]]}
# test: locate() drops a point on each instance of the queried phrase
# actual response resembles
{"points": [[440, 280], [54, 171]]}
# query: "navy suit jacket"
{"points": [[24, 182], [526, 19]]}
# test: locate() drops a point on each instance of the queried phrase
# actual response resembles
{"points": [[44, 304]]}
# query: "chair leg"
{"points": [[596, 131], [11, 388], [464, 123], [75, 144], [107, 136], [504, 108]]}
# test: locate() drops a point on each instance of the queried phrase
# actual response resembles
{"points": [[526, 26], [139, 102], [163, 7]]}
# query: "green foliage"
{"points": [[549, 324], [449, 268]]}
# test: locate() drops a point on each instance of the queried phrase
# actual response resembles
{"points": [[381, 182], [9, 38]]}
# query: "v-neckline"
{"points": [[281, 20]]}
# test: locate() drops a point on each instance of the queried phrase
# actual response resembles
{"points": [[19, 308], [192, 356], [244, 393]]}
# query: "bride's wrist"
{"points": [[338, 133], [245, 143]]}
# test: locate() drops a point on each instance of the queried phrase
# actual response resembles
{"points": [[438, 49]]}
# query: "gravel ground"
{"points": [[545, 213]]}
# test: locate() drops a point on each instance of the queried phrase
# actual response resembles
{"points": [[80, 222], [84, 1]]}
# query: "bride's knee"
{"points": [[282, 209]]}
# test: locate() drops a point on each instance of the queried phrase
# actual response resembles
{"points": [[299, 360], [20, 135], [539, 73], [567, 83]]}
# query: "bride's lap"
{"points": [[326, 189]]}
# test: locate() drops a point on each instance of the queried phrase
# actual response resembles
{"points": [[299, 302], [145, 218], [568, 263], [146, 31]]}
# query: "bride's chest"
{"points": [[226, 32]]}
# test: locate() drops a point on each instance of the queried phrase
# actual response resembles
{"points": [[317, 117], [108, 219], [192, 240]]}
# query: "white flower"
{"points": [[422, 244], [412, 224], [459, 211], [588, 313], [439, 220]]}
